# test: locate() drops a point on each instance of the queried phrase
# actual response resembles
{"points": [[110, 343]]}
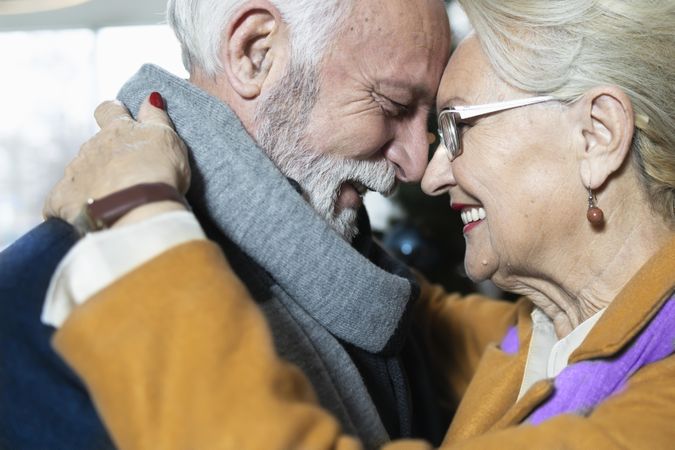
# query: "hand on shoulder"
{"points": [[125, 153]]}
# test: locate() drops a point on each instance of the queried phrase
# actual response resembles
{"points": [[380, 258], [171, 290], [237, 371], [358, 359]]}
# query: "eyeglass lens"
{"points": [[449, 135]]}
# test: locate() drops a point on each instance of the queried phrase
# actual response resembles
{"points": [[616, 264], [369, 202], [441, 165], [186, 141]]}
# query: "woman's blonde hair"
{"points": [[566, 47]]}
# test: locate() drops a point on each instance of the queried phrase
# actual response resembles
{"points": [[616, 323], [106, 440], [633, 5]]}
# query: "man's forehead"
{"points": [[423, 40], [414, 18]]}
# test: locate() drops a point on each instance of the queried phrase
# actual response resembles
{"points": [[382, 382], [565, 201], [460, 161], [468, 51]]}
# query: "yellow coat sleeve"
{"points": [[177, 356]]}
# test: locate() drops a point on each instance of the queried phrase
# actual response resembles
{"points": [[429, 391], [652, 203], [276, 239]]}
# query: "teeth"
{"points": [[472, 215]]}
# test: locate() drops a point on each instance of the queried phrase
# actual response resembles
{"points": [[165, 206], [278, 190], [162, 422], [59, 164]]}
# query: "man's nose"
{"points": [[411, 150], [438, 177]]}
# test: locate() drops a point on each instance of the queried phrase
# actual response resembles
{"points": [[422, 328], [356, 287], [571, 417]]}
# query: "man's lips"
{"points": [[351, 192], [360, 188], [350, 195]]}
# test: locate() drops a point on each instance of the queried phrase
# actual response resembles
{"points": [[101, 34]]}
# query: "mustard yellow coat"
{"points": [[177, 356]]}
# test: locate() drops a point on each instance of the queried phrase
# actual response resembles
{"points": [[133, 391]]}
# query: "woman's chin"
{"points": [[478, 271], [480, 263]]}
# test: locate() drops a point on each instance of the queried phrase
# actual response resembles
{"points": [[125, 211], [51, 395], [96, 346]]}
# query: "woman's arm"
{"points": [[176, 355]]}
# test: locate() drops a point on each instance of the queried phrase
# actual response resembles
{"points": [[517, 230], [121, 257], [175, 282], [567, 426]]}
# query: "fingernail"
{"points": [[156, 100]]}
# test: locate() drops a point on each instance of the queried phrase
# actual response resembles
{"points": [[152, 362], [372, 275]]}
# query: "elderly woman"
{"points": [[558, 131]]}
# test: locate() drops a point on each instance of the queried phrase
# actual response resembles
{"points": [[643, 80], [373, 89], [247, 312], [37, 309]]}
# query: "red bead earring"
{"points": [[594, 214]]}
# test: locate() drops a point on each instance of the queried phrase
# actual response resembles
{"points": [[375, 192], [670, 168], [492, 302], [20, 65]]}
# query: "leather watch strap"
{"points": [[104, 212]]}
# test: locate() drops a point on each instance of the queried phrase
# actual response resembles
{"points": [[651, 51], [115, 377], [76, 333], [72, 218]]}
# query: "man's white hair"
{"points": [[200, 24]]}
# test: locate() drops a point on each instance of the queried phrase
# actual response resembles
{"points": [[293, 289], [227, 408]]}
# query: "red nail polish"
{"points": [[156, 100]]}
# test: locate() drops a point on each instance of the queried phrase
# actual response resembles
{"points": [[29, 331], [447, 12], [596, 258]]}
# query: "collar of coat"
{"points": [[498, 377], [632, 309], [254, 205]]}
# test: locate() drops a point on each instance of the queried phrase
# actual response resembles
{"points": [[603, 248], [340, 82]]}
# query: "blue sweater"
{"points": [[43, 404]]}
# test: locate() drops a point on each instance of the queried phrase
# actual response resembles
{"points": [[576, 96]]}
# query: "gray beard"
{"points": [[282, 117]]}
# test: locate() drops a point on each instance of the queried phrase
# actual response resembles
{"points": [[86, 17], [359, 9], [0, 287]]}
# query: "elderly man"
{"points": [[293, 109]]}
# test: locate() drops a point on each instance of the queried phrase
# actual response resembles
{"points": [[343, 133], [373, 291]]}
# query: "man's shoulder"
{"points": [[42, 402], [38, 252]]}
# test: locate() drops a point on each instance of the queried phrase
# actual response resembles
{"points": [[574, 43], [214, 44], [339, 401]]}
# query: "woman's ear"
{"points": [[608, 124], [252, 41]]}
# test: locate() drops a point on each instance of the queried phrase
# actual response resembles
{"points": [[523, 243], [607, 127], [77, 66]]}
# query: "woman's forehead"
{"points": [[469, 78]]}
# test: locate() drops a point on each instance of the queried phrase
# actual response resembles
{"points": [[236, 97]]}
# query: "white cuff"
{"points": [[101, 258]]}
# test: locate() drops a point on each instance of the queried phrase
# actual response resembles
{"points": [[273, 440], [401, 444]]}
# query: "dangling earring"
{"points": [[594, 214]]}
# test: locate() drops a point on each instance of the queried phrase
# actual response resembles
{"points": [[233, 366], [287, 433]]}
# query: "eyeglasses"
{"points": [[448, 117]]}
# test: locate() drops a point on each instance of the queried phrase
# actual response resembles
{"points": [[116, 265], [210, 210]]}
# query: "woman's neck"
{"points": [[582, 283]]}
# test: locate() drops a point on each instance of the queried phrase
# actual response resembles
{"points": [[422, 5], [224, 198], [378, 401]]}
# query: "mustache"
{"points": [[376, 175]]}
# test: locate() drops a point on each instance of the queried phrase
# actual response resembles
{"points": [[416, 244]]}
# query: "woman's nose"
{"points": [[438, 177]]}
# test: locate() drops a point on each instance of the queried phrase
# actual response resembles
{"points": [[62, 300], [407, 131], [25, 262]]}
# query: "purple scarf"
{"points": [[582, 386]]}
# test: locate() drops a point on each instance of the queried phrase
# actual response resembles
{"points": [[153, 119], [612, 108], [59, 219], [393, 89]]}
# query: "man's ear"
{"points": [[607, 126], [251, 45]]}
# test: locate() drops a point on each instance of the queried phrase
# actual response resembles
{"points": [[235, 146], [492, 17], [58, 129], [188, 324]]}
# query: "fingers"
{"points": [[108, 112], [152, 111]]}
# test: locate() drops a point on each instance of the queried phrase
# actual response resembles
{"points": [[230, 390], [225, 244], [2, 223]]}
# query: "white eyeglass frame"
{"points": [[447, 118]]}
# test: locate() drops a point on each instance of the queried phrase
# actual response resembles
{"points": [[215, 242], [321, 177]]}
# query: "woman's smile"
{"points": [[472, 215]]}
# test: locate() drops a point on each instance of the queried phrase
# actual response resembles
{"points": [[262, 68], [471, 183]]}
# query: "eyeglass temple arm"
{"points": [[467, 112]]}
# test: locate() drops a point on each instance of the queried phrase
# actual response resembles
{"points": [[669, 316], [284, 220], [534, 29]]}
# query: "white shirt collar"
{"points": [[548, 356]]}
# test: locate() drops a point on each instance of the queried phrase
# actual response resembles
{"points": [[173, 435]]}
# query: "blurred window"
{"points": [[51, 83]]}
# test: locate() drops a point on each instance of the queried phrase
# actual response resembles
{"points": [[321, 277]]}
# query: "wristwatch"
{"points": [[102, 213]]}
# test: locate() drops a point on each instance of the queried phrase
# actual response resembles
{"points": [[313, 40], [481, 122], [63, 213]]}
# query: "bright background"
{"points": [[57, 78], [58, 65]]}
